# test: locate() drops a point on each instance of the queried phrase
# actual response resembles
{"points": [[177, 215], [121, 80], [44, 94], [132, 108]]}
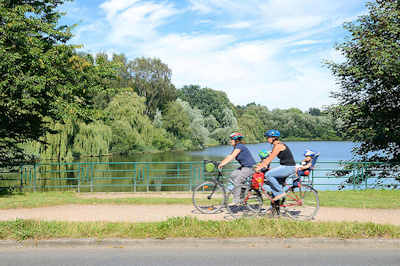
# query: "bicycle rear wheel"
{"points": [[301, 203], [209, 197], [249, 203]]}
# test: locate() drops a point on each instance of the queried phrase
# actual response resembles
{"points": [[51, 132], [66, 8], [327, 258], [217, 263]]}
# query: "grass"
{"points": [[382, 199], [42, 199], [379, 199], [194, 228]]}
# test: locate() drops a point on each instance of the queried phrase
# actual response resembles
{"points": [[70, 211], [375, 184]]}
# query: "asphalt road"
{"points": [[197, 256]]}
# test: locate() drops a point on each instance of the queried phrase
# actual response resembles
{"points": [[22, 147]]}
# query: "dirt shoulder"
{"points": [[152, 213]]}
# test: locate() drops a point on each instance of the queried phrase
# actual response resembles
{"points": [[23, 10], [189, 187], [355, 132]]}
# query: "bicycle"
{"points": [[210, 196], [301, 201]]}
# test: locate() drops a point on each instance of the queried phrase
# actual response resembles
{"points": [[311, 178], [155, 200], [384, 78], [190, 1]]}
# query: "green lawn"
{"points": [[383, 199], [194, 228]]}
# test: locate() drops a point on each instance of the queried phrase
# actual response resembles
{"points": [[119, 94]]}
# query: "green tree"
{"points": [[209, 101], [42, 79], [132, 130], [152, 80], [198, 132], [177, 121], [369, 80], [314, 111]]}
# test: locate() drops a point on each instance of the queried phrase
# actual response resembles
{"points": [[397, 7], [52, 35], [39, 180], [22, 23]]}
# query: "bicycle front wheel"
{"points": [[301, 203], [249, 202], [209, 197]]}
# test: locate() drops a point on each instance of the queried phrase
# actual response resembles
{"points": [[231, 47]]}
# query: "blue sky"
{"points": [[268, 51]]}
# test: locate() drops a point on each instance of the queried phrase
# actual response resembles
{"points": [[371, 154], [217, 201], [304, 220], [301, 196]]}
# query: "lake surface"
{"points": [[180, 171], [329, 150]]}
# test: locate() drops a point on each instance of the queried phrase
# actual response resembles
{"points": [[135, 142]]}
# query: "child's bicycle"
{"points": [[301, 201]]}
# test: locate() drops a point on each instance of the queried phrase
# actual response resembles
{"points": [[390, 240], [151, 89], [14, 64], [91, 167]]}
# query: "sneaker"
{"points": [[275, 207]]}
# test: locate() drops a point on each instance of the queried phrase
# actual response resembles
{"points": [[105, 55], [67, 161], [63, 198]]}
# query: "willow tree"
{"points": [[132, 129], [42, 78], [199, 133], [369, 80], [92, 139]]}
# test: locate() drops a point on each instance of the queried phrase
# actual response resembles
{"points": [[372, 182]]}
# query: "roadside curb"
{"points": [[206, 243]]}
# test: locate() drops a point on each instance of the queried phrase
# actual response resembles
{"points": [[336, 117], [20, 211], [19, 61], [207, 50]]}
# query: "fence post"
{"points": [[134, 177], [312, 177], [21, 179], [191, 177], [79, 179], [91, 176], [34, 177], [364, 176], [148, 177]]}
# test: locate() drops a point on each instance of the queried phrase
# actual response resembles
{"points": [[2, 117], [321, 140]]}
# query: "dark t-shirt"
{"points": [[244, 157]]}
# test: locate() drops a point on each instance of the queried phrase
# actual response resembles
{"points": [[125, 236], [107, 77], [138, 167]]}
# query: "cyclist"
{"points": [[242, 154], [276, 176]]}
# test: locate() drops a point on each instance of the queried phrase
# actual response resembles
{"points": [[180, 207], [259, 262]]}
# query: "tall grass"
{"points": [[193, 228]]}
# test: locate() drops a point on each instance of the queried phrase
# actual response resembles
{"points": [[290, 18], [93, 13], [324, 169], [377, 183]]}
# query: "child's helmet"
{"points": [[309, 153], [263, 154], [236, 136]]}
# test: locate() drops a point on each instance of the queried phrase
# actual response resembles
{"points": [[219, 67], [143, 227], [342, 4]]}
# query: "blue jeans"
{"points": [[277, 175]]}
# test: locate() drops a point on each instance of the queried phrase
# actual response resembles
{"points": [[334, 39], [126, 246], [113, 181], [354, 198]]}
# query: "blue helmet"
{"points": [[272, 133], [263, 154], [309, 153]]}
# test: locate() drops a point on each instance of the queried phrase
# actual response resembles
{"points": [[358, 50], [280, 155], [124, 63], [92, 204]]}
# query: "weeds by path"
{"points": [[194, 228], [381, 199]]}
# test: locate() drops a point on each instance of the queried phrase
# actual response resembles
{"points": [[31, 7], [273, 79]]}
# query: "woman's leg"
{"points": [[275, 174]]}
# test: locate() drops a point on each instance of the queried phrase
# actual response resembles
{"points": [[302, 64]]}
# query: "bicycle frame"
{"points": [[295, 198]]}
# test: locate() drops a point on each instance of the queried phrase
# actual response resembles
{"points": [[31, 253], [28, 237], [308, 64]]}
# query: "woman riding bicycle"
{"points": [[242, 154], [276, 176]]}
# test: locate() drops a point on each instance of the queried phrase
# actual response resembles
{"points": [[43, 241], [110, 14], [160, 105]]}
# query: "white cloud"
{"points": [[111, 7], [136, 19], [238, 25], [308, 42], [275, 58], [247, 71]]}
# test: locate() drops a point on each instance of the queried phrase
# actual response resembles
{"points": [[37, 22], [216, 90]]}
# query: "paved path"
{"points": [[150, 213], [199, 256]]}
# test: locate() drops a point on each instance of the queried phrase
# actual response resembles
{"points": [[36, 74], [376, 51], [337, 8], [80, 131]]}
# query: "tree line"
{"points": [[58, 103]]}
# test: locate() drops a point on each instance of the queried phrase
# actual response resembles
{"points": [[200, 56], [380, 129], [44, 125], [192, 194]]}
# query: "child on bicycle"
{"points": [[305, 166], [264, 154], [257, 180]]}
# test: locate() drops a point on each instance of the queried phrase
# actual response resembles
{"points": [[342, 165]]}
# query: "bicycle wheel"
{"points": [[301, 203], [249, 203], [208, 197]]}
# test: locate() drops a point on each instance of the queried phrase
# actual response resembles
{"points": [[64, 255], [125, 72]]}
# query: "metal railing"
{"points": [[179, 176]]}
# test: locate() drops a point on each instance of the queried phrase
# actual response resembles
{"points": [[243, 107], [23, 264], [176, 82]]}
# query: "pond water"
{"points": [[180, 171], [329, 150]]}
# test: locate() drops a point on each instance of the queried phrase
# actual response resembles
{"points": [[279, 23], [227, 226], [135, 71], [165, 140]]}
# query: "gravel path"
{"points": [[150, 213]]}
